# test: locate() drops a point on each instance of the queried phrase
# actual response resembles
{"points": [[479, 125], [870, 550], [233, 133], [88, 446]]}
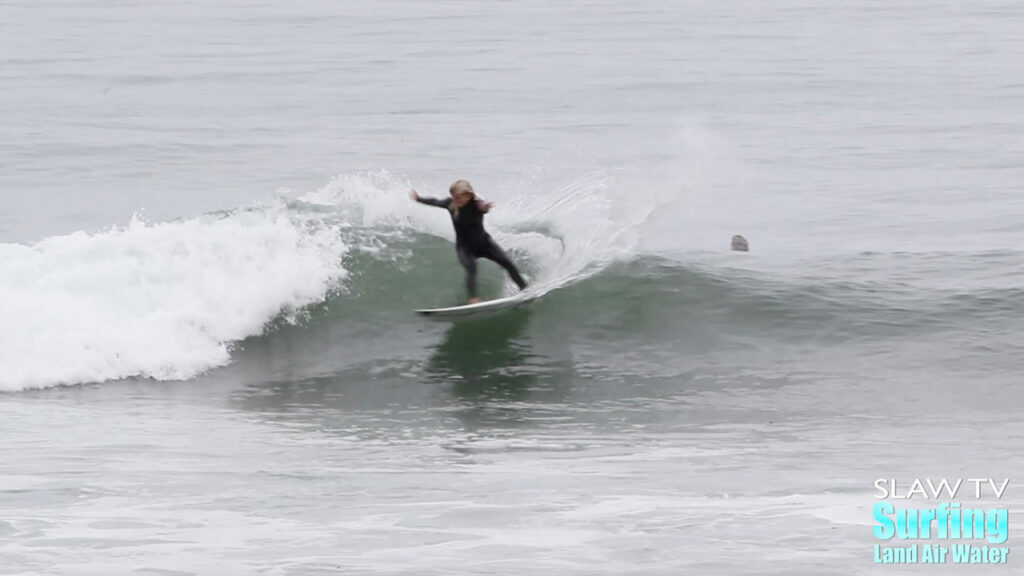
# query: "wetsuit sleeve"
{"points": [[439, 202]]}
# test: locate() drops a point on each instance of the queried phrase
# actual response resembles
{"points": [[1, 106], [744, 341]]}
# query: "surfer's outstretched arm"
{"points": [[439, 202]]}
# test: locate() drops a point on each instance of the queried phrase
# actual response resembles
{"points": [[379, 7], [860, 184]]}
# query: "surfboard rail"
{"points": [[478, 308]]}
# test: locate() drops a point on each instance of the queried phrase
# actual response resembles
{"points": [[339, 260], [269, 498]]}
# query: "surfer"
{"points": [[471, 240]]}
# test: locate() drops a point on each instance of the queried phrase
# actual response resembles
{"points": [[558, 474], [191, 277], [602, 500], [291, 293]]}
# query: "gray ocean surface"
{"points": [[209, 362]]}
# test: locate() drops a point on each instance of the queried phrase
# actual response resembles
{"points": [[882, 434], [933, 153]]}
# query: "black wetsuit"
{"points": [[472, 242]]}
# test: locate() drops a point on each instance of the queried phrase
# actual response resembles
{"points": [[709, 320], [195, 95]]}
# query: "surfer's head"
{"points": [[462, 192]]}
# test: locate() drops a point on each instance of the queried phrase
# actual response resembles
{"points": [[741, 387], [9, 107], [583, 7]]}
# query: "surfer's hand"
{"points": [[485, 206], [414, 195]]}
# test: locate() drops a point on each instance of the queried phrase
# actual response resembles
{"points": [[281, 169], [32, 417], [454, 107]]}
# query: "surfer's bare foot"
{"points": [[475, 300]]}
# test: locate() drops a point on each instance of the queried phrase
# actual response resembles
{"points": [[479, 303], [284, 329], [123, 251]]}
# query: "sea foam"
{"points": [[163, 301]]}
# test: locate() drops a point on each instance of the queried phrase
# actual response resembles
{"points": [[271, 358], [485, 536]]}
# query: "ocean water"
{"points": [[209, 362]]}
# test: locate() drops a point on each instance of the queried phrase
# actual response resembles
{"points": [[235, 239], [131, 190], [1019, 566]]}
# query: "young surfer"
{"points": [[471, 240]]}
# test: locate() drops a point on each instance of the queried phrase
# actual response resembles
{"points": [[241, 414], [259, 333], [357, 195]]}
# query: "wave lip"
{"points": [[164, 301], [568, 233]]}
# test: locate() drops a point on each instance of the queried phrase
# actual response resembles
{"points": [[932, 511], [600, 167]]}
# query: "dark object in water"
{"points": [[739, 244]]}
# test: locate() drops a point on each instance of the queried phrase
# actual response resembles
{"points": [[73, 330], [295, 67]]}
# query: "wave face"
{"points": [[169, 301]]}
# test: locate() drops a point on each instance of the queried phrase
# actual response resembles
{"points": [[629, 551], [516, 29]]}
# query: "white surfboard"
{"points": [[479, 307]]}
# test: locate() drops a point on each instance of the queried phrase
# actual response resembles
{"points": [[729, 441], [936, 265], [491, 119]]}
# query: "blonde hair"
{"points": [[460, 187]]}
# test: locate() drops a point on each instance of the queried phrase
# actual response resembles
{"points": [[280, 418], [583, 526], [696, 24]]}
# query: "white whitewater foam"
{"points": [[163, 301]]}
